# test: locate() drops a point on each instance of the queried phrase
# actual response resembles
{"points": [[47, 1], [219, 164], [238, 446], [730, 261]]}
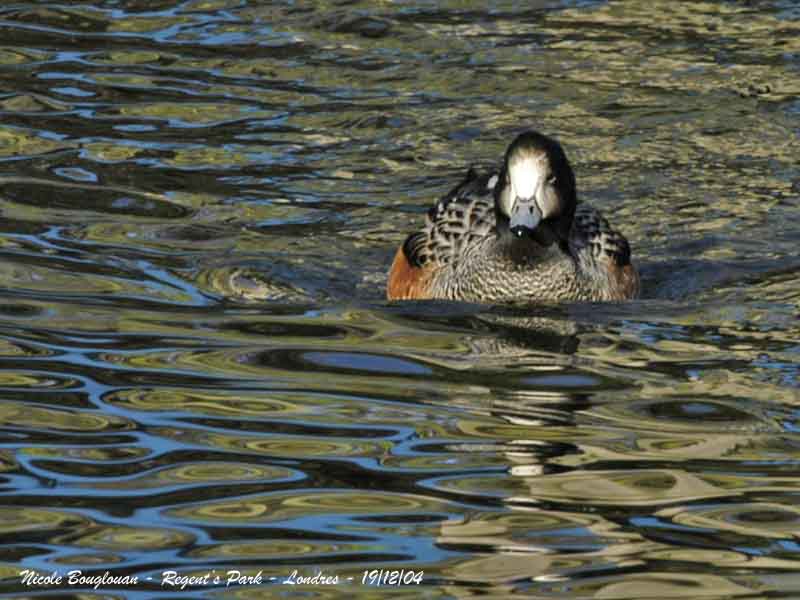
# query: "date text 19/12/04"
{"points": [[385, 577]]}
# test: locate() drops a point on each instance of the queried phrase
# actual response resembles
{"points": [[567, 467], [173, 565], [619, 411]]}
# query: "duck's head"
{"points": [[535, 194]]}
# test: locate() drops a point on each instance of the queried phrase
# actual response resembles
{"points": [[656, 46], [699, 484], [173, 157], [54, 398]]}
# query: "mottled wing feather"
{"points": [[603, 256], [414, 249], [592, 234], [459, 218]]}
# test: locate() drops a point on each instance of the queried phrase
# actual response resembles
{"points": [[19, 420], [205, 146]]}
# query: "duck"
{"points": [[515, 235]]}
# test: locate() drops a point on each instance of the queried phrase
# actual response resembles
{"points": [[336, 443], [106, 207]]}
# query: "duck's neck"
{"points": [[522, 251]]}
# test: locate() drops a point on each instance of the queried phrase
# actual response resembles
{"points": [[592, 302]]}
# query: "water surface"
{"points": [[198, 370]]}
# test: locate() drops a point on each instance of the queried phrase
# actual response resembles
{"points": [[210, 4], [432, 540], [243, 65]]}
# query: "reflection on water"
{"points": [[199, 202]]}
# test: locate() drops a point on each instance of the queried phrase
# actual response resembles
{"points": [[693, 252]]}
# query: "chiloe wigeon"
{"points": [[517, 235]]}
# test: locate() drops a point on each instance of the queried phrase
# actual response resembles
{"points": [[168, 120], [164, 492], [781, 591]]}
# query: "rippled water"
{"points": [[199, 203]]}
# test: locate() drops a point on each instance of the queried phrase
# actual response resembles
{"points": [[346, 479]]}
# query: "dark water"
{"points": [[199, 203]]}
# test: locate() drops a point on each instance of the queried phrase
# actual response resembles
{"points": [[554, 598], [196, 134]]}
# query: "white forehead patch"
{"points": [[526, 175], [492, 182]]}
